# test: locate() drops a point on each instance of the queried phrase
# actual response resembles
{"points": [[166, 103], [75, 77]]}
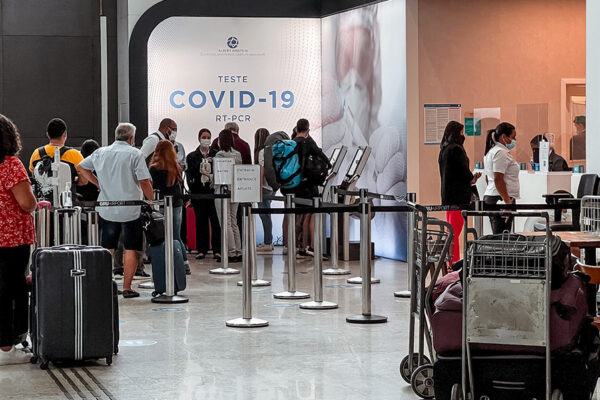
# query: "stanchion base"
{"points": [[336, 271], [256, 283], [291, 295], [366, 319], [224, 271], [358, 280], [163, 298], [318, 305], [405, 294], [146, 285], [246, 323]]}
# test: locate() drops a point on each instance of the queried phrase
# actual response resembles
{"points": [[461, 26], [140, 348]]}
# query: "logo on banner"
{"points": [[233, 42]]}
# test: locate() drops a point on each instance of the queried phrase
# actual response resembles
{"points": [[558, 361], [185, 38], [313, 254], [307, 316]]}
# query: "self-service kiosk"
{"points": [[351, 250], [336, 160]]}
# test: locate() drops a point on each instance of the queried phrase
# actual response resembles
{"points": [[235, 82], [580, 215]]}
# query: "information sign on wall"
{"points": [[437, 117]]}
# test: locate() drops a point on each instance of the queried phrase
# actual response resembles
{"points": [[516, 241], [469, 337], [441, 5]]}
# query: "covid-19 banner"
{"points": [[257, 72]]}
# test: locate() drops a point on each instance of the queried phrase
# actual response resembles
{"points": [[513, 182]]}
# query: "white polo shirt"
{"points": [[499, 159]]}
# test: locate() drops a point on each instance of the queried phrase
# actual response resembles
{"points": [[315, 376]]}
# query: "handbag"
{"points": [[153, 224]]}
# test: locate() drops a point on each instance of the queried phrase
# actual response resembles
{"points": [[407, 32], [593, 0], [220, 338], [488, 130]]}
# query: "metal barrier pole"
{"points": [[77, 226], [358, 279], [224, 269], [410, 248], [169, 296], [93, 228], [291, 292], [248, 258], [67, 237], [478, 219], [334, 241], [318, 303], [255, 281], [365, 265]]}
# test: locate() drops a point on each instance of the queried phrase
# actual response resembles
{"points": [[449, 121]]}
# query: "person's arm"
{"points": [[458, 162], [87, 176], [24, 196], [147, 189], [35, 156], [149, 145], [501, 187]]}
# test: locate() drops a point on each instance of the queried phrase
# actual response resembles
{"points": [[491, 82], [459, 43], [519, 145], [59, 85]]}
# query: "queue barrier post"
{"points": [[255, 281], [365, 266], [410, 249], [478, 219], [169, 296], [318, 303], [359, 279], [224, 269], [334, 240], [248, 259], [291, 293]]}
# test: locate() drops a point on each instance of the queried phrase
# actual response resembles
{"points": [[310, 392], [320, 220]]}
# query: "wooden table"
{"points": [[589, 242]]}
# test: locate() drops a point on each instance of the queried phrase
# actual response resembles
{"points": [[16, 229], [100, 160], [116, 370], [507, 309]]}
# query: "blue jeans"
{"points": [[177, 216], [266, 218]]}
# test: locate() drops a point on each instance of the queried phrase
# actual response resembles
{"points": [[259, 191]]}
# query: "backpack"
{"points": [[42, 174], [286, 163], [315, 168]]}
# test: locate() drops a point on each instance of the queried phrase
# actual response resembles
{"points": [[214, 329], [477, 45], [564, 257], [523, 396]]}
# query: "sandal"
{"points": [[128, 294]]}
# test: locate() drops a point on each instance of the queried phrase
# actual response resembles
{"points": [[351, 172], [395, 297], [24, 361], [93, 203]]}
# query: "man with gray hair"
{"points": [[239, 144], [121, 174]]}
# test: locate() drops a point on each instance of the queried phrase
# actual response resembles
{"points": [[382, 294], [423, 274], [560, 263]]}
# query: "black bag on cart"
{"points": [[72, 304]]}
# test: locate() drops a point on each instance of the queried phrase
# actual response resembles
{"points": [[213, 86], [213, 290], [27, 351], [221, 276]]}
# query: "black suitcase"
{"points": [[116, 321], [72, 304]]}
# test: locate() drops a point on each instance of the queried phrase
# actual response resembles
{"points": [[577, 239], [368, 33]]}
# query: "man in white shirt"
{"points": [[121, 174], [167, 130]]}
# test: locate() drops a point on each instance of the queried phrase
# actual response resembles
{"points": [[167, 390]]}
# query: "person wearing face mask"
{"points": [[167, 129], [502, 173], [200, 181], [456, 178]]}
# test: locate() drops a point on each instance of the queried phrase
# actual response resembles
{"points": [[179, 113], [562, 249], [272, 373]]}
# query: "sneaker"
{"points": [[300, 253], [264, 248], [235, 259], [118, 271], [200, 256], [187, 268], [14, 356], [142, 273], [310, 251], [128, 294]]}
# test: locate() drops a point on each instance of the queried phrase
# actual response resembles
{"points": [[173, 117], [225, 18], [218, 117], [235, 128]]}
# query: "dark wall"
{"points": [[50, 67]]}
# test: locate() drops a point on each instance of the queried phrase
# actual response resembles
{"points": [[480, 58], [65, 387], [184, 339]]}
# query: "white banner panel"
{"points": [[258, 72]]}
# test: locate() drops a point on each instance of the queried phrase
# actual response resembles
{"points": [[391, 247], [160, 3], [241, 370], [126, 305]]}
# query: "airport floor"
{"points": [[185, 351]]}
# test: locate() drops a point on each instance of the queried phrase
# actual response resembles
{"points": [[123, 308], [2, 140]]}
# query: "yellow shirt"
{"points": [[72, 156]]}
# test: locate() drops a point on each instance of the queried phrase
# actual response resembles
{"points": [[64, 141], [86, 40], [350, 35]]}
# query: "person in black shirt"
{"points": [[86, 190], [167, 179], [456, 178], [200, 181]]}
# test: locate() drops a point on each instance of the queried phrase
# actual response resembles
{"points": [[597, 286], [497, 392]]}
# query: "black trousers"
{"points": [[499, 224], [206, 213], [14, 300]]}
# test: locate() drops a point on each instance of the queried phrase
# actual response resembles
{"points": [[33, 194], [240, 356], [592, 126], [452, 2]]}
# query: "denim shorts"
{"points": [[132, 231]]}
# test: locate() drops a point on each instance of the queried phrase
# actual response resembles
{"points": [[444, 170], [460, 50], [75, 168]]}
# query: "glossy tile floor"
{"points": [[184, 351]]}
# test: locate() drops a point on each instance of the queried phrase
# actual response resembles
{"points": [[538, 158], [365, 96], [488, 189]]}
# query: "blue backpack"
{"points": [[286, 163]]}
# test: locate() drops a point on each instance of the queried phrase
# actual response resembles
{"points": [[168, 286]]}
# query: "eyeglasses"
{"points": [[173, 129]]}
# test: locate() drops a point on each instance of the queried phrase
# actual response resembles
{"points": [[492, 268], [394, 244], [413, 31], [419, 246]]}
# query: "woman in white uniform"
{"points": [[502, 173]]}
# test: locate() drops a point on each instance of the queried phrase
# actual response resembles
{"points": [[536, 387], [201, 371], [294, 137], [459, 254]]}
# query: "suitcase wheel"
{"points": [[422, 381], [33, 359], [116, 350], [25, 344], [109, 360], [406, 371], [44, 364]]}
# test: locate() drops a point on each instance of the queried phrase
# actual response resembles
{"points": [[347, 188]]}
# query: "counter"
{"points": [[533, 186]]}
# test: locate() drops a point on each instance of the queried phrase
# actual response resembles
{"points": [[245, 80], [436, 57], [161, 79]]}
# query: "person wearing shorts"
{"points": [[121, 175]]}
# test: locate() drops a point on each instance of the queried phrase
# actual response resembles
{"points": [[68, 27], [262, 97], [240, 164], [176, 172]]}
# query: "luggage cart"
{"points": [[506, 300], [431, 248], [590, 214]]}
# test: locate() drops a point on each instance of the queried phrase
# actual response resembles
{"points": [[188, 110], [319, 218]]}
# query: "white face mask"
{"points": [[357, 106], [205, 142], [173, 136]]}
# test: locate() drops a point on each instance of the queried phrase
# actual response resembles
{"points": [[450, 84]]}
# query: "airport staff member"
{"points": [[502, 173]]}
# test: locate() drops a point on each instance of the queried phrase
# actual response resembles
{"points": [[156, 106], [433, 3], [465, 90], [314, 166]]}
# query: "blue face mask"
{"points": [[511, 145]]}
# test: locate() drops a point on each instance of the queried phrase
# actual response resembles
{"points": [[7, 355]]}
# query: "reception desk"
{"points": [[533, 186]]}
